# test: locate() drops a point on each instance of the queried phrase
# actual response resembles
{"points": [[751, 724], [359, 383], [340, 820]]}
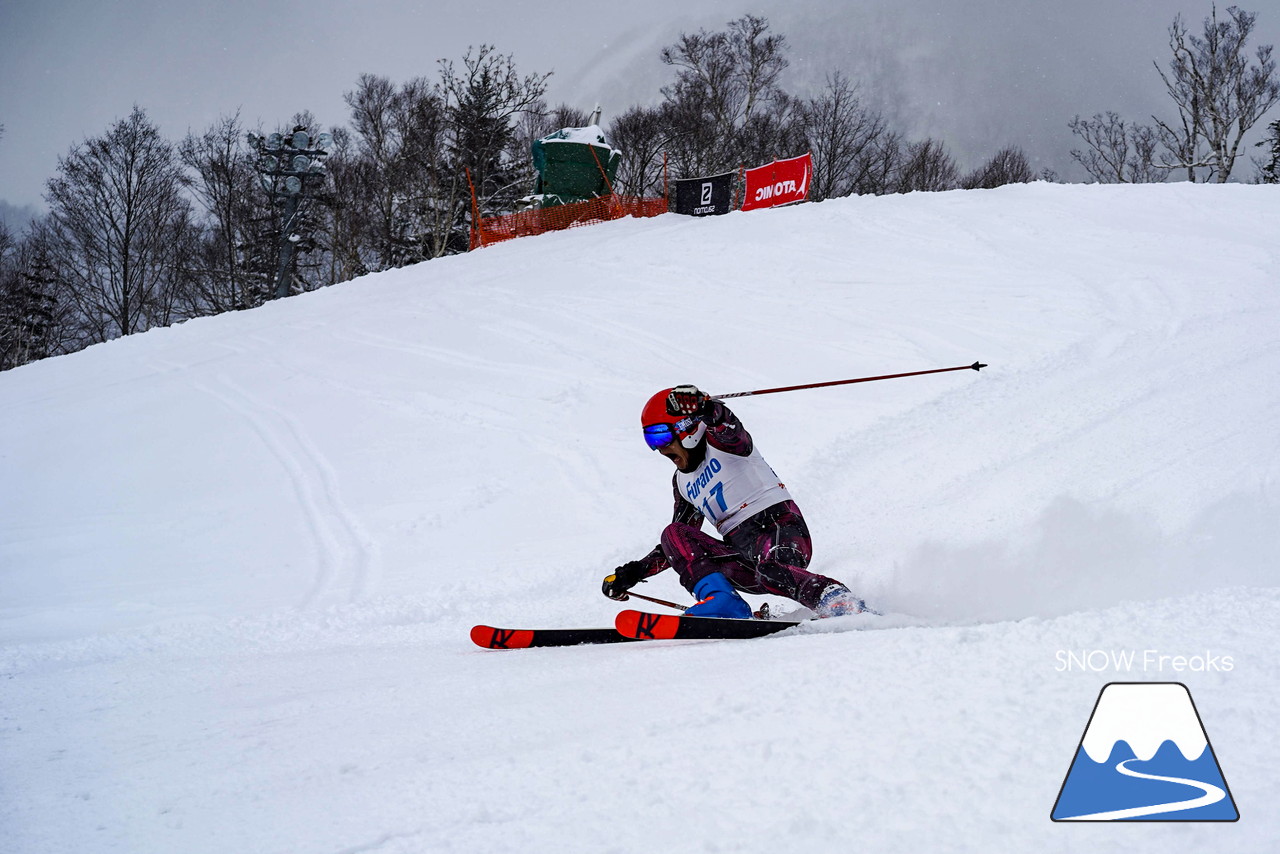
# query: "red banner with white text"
{"points": [[778, 183]]}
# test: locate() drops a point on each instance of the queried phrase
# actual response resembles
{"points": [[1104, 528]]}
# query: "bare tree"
{"points": [[842, 135], [926, 167], [224, 182], [398, 134], [372, 103], [774, 133], [641, 134], [346, 225], [1118, 152], [118, 219], [1220, 96], [695, 147], [760, 60], [882, 165], [540, 121], [725, 82], [1006, 166]]}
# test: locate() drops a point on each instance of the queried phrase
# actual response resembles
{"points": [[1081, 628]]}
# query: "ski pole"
{"points": [[976, 366], [657, 601]]}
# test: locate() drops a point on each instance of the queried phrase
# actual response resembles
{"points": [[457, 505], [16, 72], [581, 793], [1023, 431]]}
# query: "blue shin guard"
{"points": [[717, 598]]}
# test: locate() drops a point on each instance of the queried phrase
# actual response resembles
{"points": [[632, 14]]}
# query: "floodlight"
{"points": [[324, 141], [293, 184], [301, 162], [275, 141], [300, 139]]}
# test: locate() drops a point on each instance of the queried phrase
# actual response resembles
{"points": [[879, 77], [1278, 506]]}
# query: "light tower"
{"points": [[291, 168]]}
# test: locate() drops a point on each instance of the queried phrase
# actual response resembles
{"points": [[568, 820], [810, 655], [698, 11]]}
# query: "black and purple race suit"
{"points": [[766, 546]]}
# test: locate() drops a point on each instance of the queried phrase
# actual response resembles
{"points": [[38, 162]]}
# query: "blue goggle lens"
{"points": [[659, 435]]}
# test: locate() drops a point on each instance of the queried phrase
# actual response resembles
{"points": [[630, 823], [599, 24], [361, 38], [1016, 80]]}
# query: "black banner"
{"points": [[705, 196]]}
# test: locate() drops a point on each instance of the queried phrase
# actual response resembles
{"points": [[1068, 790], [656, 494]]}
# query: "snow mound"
{"points": [[240, 557]]}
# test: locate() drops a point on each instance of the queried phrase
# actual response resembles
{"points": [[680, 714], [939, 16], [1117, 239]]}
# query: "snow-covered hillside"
{"points": [[240, 558]]}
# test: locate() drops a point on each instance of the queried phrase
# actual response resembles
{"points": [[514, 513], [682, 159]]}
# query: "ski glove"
{"points": [[688, 400], [623, 579]]}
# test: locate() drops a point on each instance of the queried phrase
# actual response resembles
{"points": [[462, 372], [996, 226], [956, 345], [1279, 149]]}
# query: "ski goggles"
{"points": [[660, 435]]}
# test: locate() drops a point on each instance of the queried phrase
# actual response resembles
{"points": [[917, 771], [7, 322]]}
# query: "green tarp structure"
{"points": [[569, 164]]}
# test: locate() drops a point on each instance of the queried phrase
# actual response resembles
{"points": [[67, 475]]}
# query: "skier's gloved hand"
{"points": [[623, 579], [689, 400]]}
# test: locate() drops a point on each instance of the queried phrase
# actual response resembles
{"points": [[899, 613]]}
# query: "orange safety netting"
{"points": [[498, 228]]}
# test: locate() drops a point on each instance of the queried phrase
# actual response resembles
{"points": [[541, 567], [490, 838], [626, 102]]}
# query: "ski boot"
{"points": [[717, 598], [837, 601]]}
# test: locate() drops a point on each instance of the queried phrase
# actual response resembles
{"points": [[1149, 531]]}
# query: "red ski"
{"points": [[491, 638], [640, 625]]}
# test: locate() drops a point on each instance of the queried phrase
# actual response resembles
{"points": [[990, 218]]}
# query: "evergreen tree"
{"points": [[1269, 169], [482, 102], [27, 315]]}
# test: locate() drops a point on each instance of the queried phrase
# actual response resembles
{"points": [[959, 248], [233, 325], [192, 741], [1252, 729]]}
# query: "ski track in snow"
{"points": [[345, 565], [451, 357]]}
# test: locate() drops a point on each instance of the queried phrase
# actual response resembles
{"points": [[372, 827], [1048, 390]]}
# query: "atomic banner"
{"points": [[778, 183]]}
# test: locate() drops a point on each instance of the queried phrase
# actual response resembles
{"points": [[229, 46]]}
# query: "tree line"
{"points": [[144, 232], [1219, 92]]}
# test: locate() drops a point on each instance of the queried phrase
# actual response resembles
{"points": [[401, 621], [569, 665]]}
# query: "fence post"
{"points": [[666, 187], [475, 210]]}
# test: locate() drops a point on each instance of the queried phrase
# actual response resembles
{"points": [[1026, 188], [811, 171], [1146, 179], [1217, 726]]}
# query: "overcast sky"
{"points": [[979, 74]]}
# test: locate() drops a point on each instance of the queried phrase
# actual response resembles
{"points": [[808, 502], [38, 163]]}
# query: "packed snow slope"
{"points": [[239, 559]]}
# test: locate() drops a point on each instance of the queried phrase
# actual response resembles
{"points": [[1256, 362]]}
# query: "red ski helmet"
{"points": [[661, 428]]}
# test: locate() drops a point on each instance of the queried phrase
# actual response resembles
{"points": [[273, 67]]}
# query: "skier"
{"points": [[721, 476]]}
